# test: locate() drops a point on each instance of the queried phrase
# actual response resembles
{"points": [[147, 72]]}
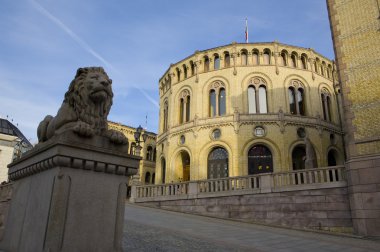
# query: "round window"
{"points": [[259, 131], [301, 132], [216, 134], [182, 139]]}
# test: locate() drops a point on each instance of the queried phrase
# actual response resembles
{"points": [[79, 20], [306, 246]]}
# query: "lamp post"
{"points": [[138, 140], [138, 135]]}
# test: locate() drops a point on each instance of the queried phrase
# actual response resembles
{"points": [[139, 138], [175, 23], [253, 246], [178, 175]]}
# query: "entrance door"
{"points": [[217, 163], [259, 160]]}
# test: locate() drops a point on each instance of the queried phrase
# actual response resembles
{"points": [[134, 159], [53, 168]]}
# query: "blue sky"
{"points": [[43, 42]]}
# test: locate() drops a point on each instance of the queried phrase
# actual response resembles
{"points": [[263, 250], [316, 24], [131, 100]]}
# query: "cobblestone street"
{"points": [[149, 229]]}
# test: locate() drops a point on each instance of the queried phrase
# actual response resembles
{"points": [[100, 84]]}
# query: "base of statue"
{"points": [[69, 195]]}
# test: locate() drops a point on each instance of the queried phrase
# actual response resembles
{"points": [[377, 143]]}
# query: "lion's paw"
{"points": [[117, 137], [83, 129]]}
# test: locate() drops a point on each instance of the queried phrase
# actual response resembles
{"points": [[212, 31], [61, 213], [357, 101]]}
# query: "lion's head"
{"points": [[90, 95]]}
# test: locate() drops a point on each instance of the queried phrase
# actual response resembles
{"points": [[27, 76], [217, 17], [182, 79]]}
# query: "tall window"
{"points": [[178, 74], [326, 104], [251, 100], [149, 153], [266, 57], [284, 56], [297, 98], [212, 103], [304, 60], [257, 96], [217, 99], [216, 62], [263, 100], [227, 59], [147, 178], [244, 58], [184, 71], [293, 60], [292, 101], [206, 64], [192, 68], [165, 121], [222, 101], [255, 58], [184, 106], [163, 170]]}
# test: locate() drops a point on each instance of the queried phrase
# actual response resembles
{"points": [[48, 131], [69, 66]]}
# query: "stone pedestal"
{"points": [[69, 195], [364, 193]]}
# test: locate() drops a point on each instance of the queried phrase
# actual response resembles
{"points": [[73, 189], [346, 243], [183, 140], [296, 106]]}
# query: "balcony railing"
{"points": [[327, 177]]}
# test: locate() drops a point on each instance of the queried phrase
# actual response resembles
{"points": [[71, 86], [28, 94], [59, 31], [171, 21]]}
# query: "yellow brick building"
{"points": [[356, 34], [148, 151], [244, 109]]}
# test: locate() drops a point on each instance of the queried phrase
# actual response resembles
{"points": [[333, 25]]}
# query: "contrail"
{"points": [[85, 46]]}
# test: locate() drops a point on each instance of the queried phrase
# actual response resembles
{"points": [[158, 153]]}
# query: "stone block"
{"points": [[338, 214]]}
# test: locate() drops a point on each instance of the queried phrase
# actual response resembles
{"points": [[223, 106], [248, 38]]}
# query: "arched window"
{"points": [[181, 108], [297, 98], [255, 57], [154, 154], [184, 106], [251, 100], [227, 59], [192, 67], [206, 64], [178, 75], [222, 101], [166, 108], [216, 62], [217, 163], [163, 169], [188, 108], [153, 178], [301, 101], [257, 96], [284, 56], [147, 178], [326, 104], [304, 61], [263, 100], [132, 151], [299, 157], [217, 99], [331, 158], [259, 160], [266, 57], [244, 58], [184, 71], [149, 153], [212, 101], [292, 101], [294, 60]]}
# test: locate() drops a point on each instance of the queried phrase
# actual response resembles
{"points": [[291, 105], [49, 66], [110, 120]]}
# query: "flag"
{"points": [[246, 30]]}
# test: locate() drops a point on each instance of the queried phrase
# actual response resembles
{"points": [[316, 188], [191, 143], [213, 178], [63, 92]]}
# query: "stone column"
{"points": [[68, 195]]}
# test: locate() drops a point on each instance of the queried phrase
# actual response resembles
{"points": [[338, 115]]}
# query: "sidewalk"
{"points": [[148, 229]]}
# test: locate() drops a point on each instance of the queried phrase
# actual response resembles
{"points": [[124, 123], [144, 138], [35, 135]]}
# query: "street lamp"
{"points": [[138, 140]]}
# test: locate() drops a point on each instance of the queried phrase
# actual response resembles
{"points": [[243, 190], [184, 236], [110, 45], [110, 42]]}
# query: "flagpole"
{"points": [[246, 30]]}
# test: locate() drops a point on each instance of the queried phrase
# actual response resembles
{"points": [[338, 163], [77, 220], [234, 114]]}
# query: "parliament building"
{"points": [[248, 108]]}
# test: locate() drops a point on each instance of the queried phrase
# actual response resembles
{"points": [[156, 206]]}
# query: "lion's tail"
{"points": [[42, 129]]}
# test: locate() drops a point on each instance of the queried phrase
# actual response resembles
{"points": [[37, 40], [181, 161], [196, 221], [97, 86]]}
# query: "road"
{"points": [[148, 229]]}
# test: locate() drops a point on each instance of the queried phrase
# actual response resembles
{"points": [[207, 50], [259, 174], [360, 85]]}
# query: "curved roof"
{"points": [[7, 128]]}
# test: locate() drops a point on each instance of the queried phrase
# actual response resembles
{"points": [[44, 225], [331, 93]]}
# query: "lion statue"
{"points": [[84, 109]]}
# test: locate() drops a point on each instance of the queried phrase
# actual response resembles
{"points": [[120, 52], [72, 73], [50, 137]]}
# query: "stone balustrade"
{"points": [[327, 177]]}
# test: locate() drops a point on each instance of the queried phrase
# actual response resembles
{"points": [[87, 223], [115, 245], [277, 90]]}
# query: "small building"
{"points": [[12, 144], [148, 152]]}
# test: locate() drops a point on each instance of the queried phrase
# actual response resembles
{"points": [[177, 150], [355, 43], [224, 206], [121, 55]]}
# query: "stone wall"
{"points": [[323, 209], [5, 201]]}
